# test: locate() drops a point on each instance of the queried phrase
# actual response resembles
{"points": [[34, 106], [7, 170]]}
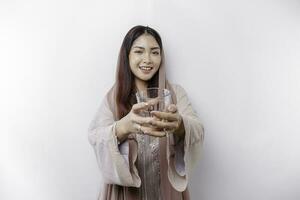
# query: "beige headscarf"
{"points": [[117, 192]]}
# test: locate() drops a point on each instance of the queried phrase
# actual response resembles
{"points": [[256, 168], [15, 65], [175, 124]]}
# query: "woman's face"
{"points": [[144, 57]]}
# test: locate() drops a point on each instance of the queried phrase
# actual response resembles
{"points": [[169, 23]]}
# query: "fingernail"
{"points": [[146, 104]]}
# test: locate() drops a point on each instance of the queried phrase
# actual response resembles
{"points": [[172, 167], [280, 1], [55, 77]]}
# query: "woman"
{"points": [[170, 142]]}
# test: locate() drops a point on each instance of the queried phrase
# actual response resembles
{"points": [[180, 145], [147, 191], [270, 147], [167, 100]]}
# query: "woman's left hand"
{"points": [[169, 121]]}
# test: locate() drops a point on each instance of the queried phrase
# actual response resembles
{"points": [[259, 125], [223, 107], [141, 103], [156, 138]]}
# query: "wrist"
{"points": [[121, 132], [180, 132]]}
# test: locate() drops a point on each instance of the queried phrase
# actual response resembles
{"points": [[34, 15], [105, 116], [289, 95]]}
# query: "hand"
{"points": [[169, 121], [133, 122]]}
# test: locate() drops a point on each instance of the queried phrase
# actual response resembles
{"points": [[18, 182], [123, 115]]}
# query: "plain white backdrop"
{"points": [[238, 60]]}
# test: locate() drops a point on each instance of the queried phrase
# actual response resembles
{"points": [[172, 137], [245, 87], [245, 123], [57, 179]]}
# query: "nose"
{"points": [[147, 58]]}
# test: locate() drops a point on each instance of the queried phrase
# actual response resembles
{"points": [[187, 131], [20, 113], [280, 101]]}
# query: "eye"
{"points": [[155, 53], [138, 51]]}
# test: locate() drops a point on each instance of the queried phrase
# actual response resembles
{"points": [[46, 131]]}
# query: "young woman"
{"points": [[144, 157]]}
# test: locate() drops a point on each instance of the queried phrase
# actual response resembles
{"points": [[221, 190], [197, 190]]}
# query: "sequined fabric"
{"points": [[148, 167]]}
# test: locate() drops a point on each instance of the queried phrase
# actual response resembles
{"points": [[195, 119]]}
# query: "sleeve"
{"points": [[184, 154], [116, 166]]}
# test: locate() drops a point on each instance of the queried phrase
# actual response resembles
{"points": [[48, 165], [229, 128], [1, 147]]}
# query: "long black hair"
{"points": [[125, 85]]}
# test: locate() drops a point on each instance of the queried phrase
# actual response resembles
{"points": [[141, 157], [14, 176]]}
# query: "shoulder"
{"points": [[108, 101], [111, 96]]}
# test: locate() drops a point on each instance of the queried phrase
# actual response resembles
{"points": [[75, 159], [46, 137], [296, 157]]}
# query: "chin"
{"points": [[147, 77]]}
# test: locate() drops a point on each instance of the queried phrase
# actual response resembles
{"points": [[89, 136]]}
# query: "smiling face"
{"points": [[144, 57]]}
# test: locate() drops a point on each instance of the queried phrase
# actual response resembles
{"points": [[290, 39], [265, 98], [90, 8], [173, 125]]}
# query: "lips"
{"points": [[146, 68]]}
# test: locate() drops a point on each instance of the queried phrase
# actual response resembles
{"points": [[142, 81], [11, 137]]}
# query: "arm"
{"points": [[113, 159], [184, 152]]}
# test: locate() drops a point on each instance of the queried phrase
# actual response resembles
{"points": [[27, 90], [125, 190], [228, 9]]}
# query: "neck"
{"points": [[140, 84]]}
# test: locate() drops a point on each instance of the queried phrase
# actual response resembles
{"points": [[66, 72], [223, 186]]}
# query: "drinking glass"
{"points": [[160, 98]]}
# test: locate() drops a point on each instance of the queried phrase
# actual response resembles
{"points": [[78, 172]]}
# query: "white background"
{"points": [[238, 60]]}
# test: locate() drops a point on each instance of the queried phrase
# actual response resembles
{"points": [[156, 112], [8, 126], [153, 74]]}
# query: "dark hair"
{"points": [[125, 85]]}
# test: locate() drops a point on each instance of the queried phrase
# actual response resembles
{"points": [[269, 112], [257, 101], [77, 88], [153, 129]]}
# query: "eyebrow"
{"points": [[144, 48]]}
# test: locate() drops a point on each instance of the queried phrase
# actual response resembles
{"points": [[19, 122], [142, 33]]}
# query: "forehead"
{"points": [[145, 40]]}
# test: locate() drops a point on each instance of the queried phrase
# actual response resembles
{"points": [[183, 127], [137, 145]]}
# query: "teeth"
{"points": [[146, 68]]}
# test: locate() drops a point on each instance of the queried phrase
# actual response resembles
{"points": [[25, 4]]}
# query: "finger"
{"points": [[139, 106], [172, 108], [154, 133], [165, 115], [136, 108], [143, 129], [137, 127], [153, 101], [142, 120], [167, 125]]}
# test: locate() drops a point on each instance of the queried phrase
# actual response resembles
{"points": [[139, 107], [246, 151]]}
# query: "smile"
{"points": [[146, 68]]}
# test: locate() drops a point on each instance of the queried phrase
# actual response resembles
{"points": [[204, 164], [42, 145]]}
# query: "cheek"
{"points": [[133, 60], [131, 63], [157, 61]]}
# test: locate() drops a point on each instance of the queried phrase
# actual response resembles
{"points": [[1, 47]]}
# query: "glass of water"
{"points": [[159, 98]]}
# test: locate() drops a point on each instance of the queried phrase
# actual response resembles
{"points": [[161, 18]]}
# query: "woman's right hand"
{"points": [[133, 122]]}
